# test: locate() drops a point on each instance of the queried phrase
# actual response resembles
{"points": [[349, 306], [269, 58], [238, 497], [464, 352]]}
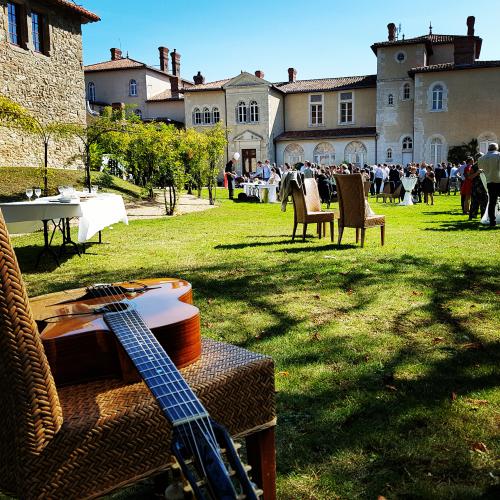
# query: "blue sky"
{"points": [[319, 38]]}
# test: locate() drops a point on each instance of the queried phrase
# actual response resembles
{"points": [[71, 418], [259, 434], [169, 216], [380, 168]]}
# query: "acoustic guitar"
{"points": [[204, 450]]}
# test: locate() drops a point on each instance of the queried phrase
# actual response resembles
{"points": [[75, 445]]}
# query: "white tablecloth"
{"points": [[255, 189], [409, 185], [94, 214]]}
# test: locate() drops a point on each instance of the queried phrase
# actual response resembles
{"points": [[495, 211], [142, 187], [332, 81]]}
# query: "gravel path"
{"points": [[148, 209]]}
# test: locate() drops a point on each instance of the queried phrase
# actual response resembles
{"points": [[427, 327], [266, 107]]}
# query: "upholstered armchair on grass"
{"points": [[354, 209], [307, 209], [82, 441]]}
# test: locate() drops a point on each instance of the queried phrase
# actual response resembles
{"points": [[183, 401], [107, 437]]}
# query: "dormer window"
{"points": [[241, 112], [254, 111], [133, 88]]}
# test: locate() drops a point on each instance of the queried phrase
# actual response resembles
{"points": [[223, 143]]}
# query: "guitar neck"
{"points": [[176, 399]]}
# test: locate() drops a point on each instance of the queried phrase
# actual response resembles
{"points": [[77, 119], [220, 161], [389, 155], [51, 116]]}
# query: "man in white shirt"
{"points": [[379, 178], [490, 164]]}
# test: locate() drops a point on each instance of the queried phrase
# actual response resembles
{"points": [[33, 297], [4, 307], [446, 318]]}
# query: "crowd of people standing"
{"points": [[476, 178]]}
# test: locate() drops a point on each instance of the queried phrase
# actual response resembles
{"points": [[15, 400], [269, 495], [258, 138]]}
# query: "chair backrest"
{"points": [[387, 188], [351, 200], [313, 200], [30, 412], [397, 191], [299, 202]]}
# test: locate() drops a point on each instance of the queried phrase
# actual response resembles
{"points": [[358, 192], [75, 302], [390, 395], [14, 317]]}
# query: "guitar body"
{"points": [[80, 346]]}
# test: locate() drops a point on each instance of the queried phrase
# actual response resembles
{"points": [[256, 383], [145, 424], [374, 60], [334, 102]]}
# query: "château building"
{"points": [[430, 93], [41, 69]]}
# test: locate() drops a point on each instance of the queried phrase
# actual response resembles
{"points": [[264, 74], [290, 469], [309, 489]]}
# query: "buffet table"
{"points": [[267, 193]]}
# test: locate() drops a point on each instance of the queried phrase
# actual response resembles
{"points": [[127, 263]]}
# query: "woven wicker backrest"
{"points": [[30, 413], [351, 200], [313, 201], [299, 202]]}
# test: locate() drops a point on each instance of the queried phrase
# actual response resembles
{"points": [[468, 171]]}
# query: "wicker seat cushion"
{"points": [[320, 216], [113, 432], [374, 220]]}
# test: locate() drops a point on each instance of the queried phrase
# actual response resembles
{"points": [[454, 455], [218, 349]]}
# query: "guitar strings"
{"points": [[207, 428]]}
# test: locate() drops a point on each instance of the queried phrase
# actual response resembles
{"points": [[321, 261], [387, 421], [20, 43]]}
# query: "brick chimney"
{"points": [[391, 29], [199, 79], [115, 54], [471, 20], [176, 63], [174, 84], [259, 74], [292, 75], [464, 49], [163, 59]]}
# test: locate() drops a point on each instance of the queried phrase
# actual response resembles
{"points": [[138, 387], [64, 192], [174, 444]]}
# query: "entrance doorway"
{"points": [[407, 158], [248, 160]]}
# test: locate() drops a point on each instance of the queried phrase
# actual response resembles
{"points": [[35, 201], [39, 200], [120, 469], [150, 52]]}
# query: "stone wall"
{"points": [[50, 86]]}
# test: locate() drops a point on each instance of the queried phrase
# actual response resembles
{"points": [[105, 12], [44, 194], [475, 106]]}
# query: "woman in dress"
{"points": [[428, 183], [466, 188]]}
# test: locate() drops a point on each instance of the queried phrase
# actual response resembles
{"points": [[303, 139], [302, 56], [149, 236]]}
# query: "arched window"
{"points": [[197, 116], [390, 100], [132, 88], [436, 151], [407, 143], [406, 91], [437, 97], [484, 140], [324, 154], [206, 116], [138, 112], [241, 112], [254, 111], [355, 152], [91, 91], [216, 115], [293, 154], [389, 154]]}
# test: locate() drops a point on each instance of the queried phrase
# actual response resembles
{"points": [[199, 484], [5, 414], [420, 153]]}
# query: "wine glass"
{"points": [[60, 189], [29, 193], [38, 192]]}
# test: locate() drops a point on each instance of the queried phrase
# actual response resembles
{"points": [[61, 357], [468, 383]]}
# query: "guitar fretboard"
{"points": [[175, 397]]}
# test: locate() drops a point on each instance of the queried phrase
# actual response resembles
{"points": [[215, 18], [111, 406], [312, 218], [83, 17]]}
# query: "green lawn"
{"points": [[387, 358]]}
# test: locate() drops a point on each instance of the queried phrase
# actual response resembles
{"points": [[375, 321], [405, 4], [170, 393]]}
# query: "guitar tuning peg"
{"points": [[237, 446], [247, 468]]}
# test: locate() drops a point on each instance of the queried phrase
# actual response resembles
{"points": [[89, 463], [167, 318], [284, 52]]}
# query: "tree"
{"points": [[195, 157], [458, 154], [13, 115], [216, 143]]}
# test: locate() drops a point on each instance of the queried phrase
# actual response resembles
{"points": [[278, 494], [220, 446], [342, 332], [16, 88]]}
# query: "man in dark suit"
{"points": [[230, 175]]}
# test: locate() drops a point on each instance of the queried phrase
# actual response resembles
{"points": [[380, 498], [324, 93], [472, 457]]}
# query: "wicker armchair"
{"points": [[353, 211], [307, 209], [85, 440]]}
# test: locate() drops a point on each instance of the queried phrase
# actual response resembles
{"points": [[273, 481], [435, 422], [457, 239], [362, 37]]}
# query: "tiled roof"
{"points": [[454, 67], [217, 85], [428, 40], [327, 133], [166, 95], [86, 15], [125, 63], [321, 84], [345, 82]]}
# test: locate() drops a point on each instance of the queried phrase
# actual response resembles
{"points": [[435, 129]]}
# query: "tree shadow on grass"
{"points": [[465, 225], [28, 255]]}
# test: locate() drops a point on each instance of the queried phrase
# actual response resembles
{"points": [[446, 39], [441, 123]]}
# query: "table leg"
{"points": [[261, 455], [46, 244], [66, 232]]}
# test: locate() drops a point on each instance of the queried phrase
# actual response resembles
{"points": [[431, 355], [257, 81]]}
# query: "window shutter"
{"points": [[23, 26], [45, 35]]}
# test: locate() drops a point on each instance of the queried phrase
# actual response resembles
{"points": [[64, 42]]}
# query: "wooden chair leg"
{"points": [[261, 455], [324, 229], [295, 224], [382, 235], [319, 230], [341, 231], [304, 231], [357, 235], [363, 231], [332, 230]]}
